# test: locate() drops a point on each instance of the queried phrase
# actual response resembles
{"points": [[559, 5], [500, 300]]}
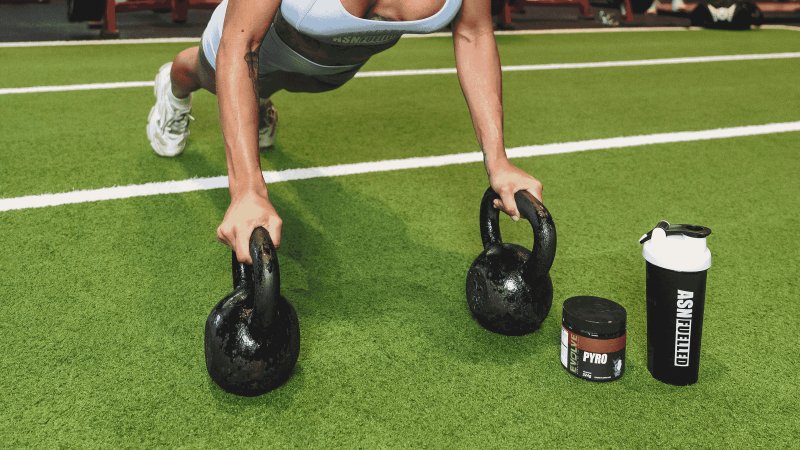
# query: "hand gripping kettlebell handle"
{"points": [[262, 279], [544, 229]]}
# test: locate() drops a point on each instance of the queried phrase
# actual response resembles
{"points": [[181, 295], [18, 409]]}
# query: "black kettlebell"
{"points": [[252, 338], [509, 290]]}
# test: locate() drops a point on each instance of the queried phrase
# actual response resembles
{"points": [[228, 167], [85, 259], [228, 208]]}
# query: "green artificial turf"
{"points": [[102, 305], [68, 143]]}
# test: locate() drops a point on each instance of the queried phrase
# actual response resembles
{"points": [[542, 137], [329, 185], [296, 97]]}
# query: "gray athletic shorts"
{"points": [[279, 66]]}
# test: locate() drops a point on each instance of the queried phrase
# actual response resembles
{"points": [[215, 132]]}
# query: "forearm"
{"points": [[246, 22], [478, 65], [238, 111]]}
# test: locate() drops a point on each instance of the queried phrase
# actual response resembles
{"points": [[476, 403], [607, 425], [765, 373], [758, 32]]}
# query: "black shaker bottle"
{"points": [[677, 264]]}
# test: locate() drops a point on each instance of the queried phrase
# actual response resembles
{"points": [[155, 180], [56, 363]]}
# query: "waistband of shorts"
{"points": [[302, 64]]}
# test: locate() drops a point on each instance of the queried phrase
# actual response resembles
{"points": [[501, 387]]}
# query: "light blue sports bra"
{"points": [[329, 21]]}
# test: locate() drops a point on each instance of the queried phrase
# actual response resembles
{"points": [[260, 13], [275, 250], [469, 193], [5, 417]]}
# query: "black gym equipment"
{"points": [[726, 15], [252, 337], [509, 290], [640, 6], [85, 10]]}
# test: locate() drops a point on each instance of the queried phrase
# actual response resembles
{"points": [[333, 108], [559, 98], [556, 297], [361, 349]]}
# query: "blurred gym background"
{"points": [[37, 20]]}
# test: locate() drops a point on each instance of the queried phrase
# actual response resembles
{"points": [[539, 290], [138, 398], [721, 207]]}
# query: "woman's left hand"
{"points": [[507, 179]]}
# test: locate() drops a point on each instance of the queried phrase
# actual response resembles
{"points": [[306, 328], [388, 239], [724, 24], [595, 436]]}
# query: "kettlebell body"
{"points": [[509, 290], [501, 297], [252, 336]]}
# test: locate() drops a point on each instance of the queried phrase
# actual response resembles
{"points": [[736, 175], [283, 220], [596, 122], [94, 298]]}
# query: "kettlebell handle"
{"points": [[262, 279], [241, 273], [544, 229]]}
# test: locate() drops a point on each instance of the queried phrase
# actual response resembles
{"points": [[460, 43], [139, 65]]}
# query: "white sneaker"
{"points": [[267, 124], [168, 122]]}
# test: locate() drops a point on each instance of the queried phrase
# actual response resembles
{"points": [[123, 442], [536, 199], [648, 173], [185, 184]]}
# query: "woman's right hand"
{"points": [[244, 215]]}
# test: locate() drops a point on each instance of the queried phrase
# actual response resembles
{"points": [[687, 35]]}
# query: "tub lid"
{"points": [[595, 315]]}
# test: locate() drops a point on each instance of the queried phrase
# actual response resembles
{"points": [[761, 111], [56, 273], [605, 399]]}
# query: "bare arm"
{"points": [[246, 22], [478, 64]]}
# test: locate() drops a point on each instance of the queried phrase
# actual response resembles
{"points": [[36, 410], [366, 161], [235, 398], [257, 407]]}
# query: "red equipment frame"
{"points": [[179, 8], [583, 5]]}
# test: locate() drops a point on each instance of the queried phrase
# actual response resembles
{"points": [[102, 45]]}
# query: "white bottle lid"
{"points": [[678, 247]]}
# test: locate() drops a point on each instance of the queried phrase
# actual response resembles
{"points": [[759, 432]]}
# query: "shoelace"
{"points": [[266, 119], [178, 124]]}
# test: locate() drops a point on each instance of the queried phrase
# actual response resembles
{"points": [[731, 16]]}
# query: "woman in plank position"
{"points": [[254, 48]]}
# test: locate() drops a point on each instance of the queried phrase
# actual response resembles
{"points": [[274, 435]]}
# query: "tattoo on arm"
{"points": [[252, 63]]}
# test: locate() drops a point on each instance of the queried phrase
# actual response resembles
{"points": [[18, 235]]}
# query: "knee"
{"points": [[184, 64]]}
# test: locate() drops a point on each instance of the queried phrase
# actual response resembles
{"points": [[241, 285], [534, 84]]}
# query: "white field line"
{"points": [[27, 44], [591, 65], [563, 31], [780, 27], [189, 40], [444, 71], [194, 40], [219, 182], [76, 87]]}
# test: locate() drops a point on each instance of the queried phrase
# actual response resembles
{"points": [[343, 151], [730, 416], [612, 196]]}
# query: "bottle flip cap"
{"points": [[677, 247]]}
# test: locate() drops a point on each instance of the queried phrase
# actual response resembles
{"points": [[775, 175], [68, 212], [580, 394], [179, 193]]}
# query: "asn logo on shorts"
{"points": [[365, 39]]}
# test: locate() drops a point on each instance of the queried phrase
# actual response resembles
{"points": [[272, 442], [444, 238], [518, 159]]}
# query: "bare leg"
{"points": [[190, 74]]}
